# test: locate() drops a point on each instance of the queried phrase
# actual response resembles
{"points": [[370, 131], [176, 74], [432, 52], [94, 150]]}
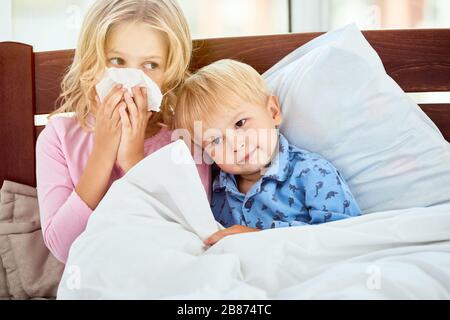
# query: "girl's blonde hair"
{"points": [[78, 86], [220, 85]]}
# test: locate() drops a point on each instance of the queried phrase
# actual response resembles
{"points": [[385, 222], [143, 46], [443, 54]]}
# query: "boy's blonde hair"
{"points": [[78, 86], [222, 84]]}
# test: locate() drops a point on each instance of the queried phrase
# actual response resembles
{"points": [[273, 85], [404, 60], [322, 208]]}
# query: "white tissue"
{"points": [[130, 78]]}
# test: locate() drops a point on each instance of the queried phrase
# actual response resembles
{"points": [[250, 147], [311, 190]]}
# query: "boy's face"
{"points": [[242, 140]]}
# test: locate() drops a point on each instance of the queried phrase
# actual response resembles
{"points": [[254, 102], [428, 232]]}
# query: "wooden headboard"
{"points": [[418, 60]]}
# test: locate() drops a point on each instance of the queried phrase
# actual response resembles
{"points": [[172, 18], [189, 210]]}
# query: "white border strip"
{"points": [[430, 97], [41, 119]]}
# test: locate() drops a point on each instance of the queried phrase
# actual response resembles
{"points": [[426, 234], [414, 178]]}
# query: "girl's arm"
{"points": [[63, 212], [65, 208], [93, 183]]}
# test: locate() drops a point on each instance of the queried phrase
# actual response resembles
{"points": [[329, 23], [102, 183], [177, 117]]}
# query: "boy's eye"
{"points": [[216, 141], [240, 123], [116, 61], [151, 65]]}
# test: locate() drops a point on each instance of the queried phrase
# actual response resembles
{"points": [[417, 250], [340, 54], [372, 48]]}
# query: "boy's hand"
{"points": [[227, 232]]}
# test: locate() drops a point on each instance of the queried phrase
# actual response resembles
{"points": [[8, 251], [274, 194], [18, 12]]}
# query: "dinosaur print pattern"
{"points": [[331, 194], [304, 172], [319, 186], [291, 201], [324, 172]]}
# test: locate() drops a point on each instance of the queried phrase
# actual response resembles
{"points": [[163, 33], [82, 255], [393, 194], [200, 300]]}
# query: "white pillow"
{"points": [[338, 101]]}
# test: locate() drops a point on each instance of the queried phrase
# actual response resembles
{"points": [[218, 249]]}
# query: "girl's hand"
{"points": [[107, 125], [226, 232], [134, 125]]}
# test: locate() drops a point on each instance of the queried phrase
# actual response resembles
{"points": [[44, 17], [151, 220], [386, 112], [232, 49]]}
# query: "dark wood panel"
{"points": [[38, 130], [418, 60], [261, 52], [440, 115], [50, 68], [17, 138]]}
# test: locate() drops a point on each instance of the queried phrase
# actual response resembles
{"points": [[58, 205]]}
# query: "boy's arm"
{"points": [[327, 194]]}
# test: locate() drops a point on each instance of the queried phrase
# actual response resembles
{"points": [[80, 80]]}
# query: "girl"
{"points": [[79, 157]]}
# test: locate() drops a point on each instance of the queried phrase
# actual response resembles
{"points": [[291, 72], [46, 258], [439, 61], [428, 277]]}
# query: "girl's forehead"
{"points": [[137, 39]]}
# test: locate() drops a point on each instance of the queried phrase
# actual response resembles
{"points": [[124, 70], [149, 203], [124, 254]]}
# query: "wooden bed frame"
{"points": [[418, 60]]}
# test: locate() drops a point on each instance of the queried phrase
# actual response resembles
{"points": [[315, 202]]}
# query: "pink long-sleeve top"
{"points": [[62, 151]]}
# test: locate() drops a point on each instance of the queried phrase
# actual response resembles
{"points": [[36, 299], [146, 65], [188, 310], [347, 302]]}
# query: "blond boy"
{"points": [[264, 182]]}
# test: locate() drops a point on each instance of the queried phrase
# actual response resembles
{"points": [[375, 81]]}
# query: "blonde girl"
{"points": [[80, 156]]}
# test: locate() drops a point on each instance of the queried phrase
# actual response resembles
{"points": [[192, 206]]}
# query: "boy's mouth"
{"points": [[247, 157]]}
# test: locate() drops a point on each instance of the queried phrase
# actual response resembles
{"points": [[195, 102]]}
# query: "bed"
{"points": [[418, 60]]}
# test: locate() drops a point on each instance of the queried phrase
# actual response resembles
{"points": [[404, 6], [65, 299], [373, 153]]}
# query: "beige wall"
{"points": [[401, 13]]}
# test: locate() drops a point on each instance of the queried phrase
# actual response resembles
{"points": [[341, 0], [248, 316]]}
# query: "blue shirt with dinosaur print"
{"points": [[298, 188]]}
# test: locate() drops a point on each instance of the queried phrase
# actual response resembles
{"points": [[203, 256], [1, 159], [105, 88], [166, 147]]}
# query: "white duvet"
{"points": [[144, 241]]}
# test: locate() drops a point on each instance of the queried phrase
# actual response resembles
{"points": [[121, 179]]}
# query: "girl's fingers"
{"points": [[141, 102], [144, 94], [116, 114], [134, 112], [113, 91], [112, 102], [98, 105], [124, 119]]}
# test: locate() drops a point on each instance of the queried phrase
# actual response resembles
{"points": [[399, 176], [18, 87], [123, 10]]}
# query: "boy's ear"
{"points": [[273, 106]]}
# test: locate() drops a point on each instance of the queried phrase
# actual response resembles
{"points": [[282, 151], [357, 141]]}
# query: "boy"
{"points": [[264, 182]]}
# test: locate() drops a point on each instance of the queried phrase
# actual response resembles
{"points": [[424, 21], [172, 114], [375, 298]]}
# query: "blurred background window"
{"points": [[54, 24], [47, 24], [323, 15], [224, 18]]}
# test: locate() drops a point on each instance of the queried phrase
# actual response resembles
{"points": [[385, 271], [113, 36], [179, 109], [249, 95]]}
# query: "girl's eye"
{"points": [[216, 141], [151, 66], [240, 123], [116, 61]]}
